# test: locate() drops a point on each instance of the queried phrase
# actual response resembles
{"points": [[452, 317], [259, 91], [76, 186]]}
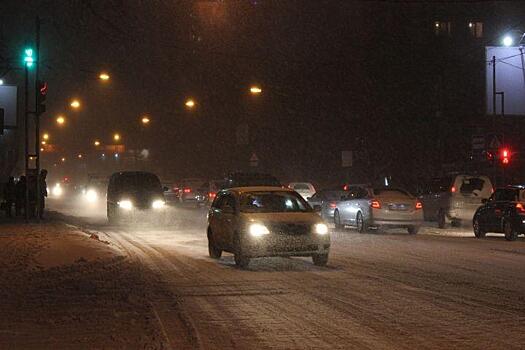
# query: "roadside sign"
{"points": [[478, 142], [347, 158], [494, 142]]}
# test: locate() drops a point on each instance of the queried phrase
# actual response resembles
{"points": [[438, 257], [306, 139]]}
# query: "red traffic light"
{"points": [[43, 88], [505, 156]]}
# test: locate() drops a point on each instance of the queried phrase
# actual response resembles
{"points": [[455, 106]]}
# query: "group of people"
{"points": [[15, 195]]}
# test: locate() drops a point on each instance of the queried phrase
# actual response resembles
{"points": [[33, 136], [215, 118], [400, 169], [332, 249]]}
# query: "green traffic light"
{"points": [[28, 59]]}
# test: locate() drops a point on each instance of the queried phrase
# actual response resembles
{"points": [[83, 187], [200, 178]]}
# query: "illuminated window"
{"points": [[476, 29], [442, 28]]}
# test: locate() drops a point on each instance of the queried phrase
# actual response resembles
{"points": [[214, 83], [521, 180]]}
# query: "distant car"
{"points": [[325, 202], [171, 193], [95, 189], [250, 179], [254, 222], [134, 195], [379, 207], [503, 212], [454, 198], [305, 189], [193, 191]]}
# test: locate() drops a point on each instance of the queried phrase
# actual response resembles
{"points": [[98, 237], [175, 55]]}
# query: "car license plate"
{"points": [[396, 206]]}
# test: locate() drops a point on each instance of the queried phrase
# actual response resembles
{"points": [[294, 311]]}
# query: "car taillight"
{"points": [[375, 204], [520, 208], [453, 189], [212, 195], [345, 188], [419, 205], [187, 190], [333, 205]]}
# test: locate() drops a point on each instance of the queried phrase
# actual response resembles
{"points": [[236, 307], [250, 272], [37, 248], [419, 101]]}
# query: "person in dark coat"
{"points": [[20, 194], [43, 192], [9, 195]]}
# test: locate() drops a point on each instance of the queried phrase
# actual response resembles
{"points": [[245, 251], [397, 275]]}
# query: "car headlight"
{"points": [[57, 190], [321, 229], [258, 230], [91, 195], [125, 204], [158, 204]]}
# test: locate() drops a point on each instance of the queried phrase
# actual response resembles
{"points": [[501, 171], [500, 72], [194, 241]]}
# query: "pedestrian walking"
{"points": [[43, 193]]}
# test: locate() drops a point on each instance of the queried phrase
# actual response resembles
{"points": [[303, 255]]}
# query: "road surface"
{"points": [[440, 289]]}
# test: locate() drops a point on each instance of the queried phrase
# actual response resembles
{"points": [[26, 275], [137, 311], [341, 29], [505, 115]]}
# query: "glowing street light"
{"points": [[43, 142], [45, 136], [104, 77], [145, 120], [29, 58], [190, 103], [508, 41], [63, 159], [116, 137], [79, 156], [255, 90], [1, 82], [61, 120], [75, 104], [96, 143]]}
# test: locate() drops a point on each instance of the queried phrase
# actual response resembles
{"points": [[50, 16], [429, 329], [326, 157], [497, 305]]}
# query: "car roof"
{"points": [[122, 173], [259, 189]]}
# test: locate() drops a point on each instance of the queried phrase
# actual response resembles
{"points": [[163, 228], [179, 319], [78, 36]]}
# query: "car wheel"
{"points": [[479, 232], [112, 216], [510, 232], [412, 230], [241, 260], [360, 223], [456, 223], [441, 219], [337, 221], [214, 251], [320, 259]]}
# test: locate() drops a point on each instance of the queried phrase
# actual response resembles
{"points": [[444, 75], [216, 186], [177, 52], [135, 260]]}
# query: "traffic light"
{"points": [[29, 59], [505, 156], [41, 97]]}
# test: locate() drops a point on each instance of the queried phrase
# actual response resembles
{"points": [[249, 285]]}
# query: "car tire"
{"points": [[320, 259], [441, 219], [510, 232], [111, 214], [241, 260], [413, 230], [479, 231], [337, 221], [214, 251], [456, 223], [360, 223]]}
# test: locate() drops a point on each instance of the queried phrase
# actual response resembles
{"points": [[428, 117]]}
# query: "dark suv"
{"points": [[503, 212], [134, 193]]}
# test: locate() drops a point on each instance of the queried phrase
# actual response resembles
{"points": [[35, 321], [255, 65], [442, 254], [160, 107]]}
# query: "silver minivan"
{"points": [[454, 199]]}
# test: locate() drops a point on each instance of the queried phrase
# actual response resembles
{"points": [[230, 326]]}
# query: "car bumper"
{"points": [[395, 223], [461, 214], [304, 245]]}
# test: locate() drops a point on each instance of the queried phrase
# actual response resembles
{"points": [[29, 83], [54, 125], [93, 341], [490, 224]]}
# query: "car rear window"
{"points": [[333, 195], [130, 182], [390, 192], [301, 187], [471, 184]]}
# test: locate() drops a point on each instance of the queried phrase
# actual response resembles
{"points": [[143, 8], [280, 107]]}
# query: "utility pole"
{"points": [[26, 136], [37, 119], [493, 92]]}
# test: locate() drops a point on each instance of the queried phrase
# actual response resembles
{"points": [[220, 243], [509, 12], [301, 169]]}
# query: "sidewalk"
{"points": [[61, 288]]}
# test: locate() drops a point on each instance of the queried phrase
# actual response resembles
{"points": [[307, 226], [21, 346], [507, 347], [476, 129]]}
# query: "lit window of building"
{"points": [[442, 27], [476, 29]]}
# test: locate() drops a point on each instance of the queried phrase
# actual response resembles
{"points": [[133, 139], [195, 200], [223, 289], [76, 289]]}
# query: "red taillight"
{"points": [[453, 189], [520, 208], [375, 204], [212, 195], [187, 190], [419, 205], [333, 205], [345, 188]]}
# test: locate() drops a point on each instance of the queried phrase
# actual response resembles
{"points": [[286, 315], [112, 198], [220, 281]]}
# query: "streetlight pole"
{"points": [[37, 123], [26, 138]]}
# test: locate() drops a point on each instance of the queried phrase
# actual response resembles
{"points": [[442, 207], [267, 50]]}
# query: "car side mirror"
{"points": [[165, 189], [484, 200], [317, 208], [308, 198]]}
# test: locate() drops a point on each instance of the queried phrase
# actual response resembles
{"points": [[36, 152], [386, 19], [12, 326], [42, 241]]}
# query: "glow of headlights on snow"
{"points": [[57, 190], [158, 204], [258, 230], [321, 229], [91, 196], [125, 204]]}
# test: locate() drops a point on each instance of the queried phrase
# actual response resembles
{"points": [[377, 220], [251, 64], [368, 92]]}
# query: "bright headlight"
{"points": [[125, 204], [91, 195], [157, 204], [258, 230], [321, 229], [57, 190]]}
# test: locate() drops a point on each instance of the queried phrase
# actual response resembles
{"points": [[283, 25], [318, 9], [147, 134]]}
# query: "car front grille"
{"points": [[290, 229]]}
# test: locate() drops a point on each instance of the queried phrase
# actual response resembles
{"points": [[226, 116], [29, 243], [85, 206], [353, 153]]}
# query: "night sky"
{"points": [[336, 75]]}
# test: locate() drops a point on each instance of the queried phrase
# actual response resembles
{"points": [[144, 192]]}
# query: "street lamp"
{"points": [[145, 120], [508, 41], [509, 38], [104, 77], [43, 142], [1, 81], [63, 159], [96, 143], [116, 137], [79, 156], [45, 136], [255, 90], [61, 120], [190, 103], [75, 104]]}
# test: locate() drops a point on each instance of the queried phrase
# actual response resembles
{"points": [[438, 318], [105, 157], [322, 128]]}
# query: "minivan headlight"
{"points": [[321, 229], [158, 204], [258, 230], [125, 204]]}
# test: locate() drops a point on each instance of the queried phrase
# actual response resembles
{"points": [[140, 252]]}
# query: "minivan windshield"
{"points": [[471, 184], [273, 202], [138, 181]]}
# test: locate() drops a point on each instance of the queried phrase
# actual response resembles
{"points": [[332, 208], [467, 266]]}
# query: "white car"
{"points": [[305, 189]]}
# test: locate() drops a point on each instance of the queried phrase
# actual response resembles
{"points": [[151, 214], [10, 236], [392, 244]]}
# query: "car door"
{"points": [[228, 219], [215, 219], [350, 206], [494, 209]]}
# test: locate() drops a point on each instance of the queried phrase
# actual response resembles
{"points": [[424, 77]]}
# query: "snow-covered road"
{"points": [[440, 289]]}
